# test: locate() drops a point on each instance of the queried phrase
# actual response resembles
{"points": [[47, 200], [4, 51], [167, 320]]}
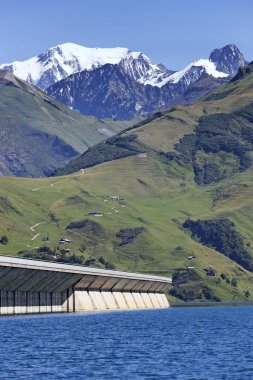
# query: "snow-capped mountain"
{"points": [[222, 63], [63, 60], [137, 87], [120, 83], [109, 92], [228, 59]]}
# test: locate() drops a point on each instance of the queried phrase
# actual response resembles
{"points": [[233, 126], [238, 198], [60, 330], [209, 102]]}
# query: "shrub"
{"points": [[127, 235], [4, 240], [102, 260], [112, 149], [90, 226], [221, 235], [44, 249], [219, 146], [109, 265]]}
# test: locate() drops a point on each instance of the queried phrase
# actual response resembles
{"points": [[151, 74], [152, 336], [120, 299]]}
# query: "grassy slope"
{"points": [[27, 113], [22, 108], [158, 195], [160, 211]]}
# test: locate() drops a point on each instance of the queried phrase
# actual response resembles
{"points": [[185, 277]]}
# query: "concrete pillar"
{"points": [[109, 300], [129, 300], [10, 302], [154, 300], [162, 300], [33, 304], [138, 300], [157, 296], [59, 299], [20, 303], [120, 300], [83, 301], [146, 300], [97, 300], [71, 300], [56, 302], [48, 302], [43, 302], [4, 302], [64, 301]]}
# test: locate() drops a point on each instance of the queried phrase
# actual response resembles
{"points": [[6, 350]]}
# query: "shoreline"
{"points": [[210, 304]]}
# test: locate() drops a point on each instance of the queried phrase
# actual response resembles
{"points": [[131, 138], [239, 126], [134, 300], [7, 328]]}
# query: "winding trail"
{"points": [[46, 187], [35, 225], [51, 185], [32, 229], [55, 183]]}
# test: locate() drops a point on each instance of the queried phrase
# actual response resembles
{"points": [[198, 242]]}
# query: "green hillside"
{"points": [[184, 182], [38, 133]]}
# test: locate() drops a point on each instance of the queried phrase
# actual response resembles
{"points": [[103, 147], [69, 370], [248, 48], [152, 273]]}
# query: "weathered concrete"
{"points": [[97, 300], [31, 286], [146, 300], [83, 301], [138, 300], [120, 300], [109, 300], [154, 300], [129, 300], [43, 303], [162, 299]]}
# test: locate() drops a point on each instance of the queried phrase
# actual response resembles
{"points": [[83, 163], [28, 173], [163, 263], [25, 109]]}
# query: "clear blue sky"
{"points": [[171, 32]]}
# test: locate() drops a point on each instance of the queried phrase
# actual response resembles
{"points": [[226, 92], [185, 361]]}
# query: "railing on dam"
{"points": [[33, 286]]}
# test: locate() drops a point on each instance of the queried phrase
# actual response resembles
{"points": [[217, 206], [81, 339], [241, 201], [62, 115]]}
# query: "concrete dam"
{"points": [[31, 286]]}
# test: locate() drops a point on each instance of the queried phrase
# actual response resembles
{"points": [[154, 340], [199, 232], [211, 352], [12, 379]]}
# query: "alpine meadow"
{"points": [[171, 195]]}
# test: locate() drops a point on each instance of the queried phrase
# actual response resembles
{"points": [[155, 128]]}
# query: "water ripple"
{"points": [[181, 344]]}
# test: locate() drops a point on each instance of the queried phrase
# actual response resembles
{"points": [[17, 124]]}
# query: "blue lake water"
{"points": [[180, 343]]}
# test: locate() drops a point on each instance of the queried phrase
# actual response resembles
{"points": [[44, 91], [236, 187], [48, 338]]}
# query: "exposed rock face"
{"points": [[109, 91], [228, 59], [122, 84], [63, 60], [134, 88]]}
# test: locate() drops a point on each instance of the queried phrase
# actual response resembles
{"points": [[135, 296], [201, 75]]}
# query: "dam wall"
{"points": [[33, 286]]}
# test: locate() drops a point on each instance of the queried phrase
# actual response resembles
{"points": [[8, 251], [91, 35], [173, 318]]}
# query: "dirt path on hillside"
{"points": [[56, 183], [32, 229], [51, 185]]}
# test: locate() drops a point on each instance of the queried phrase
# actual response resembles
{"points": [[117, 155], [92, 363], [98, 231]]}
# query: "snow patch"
{"points": [[65, 60], [106, 132], [208, 66]]}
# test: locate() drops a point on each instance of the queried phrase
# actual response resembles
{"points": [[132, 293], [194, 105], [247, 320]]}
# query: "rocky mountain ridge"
{"points": [[110, 91], [118, 92], [122, 84], [63, 60]]}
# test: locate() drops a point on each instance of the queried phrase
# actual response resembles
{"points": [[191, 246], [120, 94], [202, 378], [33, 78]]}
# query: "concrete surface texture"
{"points": [[32, 286]]}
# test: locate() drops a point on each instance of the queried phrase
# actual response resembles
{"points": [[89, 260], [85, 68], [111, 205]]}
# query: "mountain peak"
{"points": [[60, 61], [228, 59]]}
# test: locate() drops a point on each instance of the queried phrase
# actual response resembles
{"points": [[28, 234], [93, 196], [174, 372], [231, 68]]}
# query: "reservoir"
{"points": [[174, 343]]}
